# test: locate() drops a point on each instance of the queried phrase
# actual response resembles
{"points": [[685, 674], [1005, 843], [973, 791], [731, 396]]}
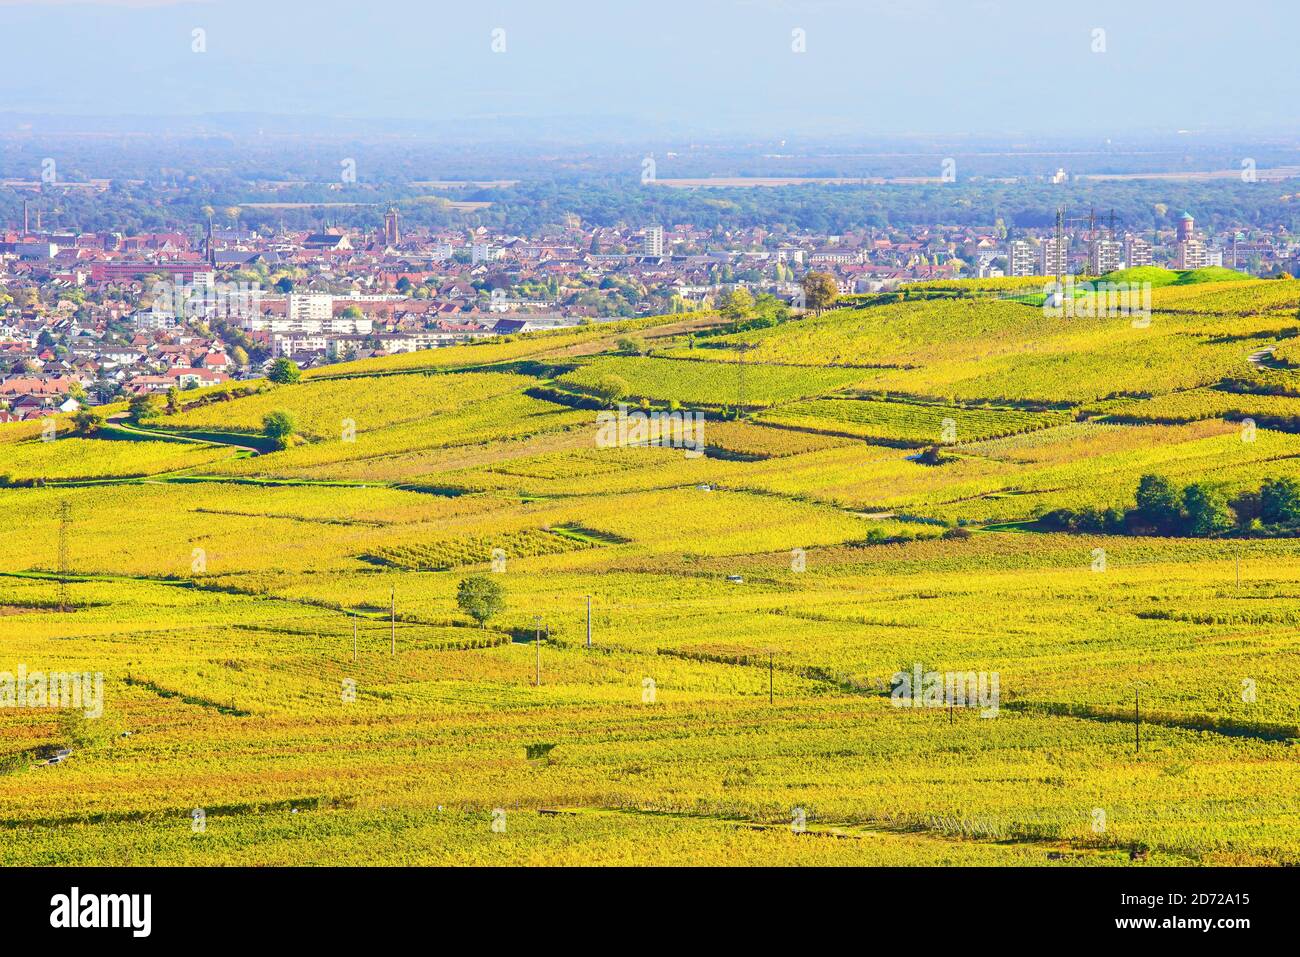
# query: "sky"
{"points": [[697, 67]]}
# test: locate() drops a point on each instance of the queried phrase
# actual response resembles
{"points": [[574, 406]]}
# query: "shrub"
{"points": [[144, 407], [87, 421], [279, 427], [611, 388], [284, 372]]}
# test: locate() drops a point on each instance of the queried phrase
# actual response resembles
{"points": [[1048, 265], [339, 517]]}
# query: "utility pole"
{"points": [[588, 622], [65, 519], [537, 621], [1137, 721], [392, 622], [740, 397], [769, 677], [740, 385], [1060, 252]]}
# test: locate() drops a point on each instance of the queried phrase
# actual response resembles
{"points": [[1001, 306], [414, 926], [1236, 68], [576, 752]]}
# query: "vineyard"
{"points": [[442, 556], [707, 383], [695, 655], [907, 422]]}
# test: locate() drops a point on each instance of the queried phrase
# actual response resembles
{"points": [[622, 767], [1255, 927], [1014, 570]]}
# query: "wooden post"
{"points": [[1137, 721], [392, 622], [769, 677], [354, 638]]}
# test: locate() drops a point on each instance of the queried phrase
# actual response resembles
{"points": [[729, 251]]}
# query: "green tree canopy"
{"points": [[1159, 502], [144, 407], [87, 421], [1207, 510], [611, 388], [1279, 502], [284, 372], [279, 427], [481, 598], [736, 305], [819, 290]]}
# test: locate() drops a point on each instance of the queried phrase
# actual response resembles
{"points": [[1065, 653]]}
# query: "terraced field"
{"points": [[698, 656]]}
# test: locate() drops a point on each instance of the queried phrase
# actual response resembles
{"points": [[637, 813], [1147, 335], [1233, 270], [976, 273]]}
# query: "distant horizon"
{"points": [[729, 68], [600, 130]]}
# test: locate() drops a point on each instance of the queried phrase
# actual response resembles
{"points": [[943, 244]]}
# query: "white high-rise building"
{"points": [[1104, 256], [1021, 258], [1191, 254], [653, 244], [1137, 252], [1053, 256], [313, 306]]}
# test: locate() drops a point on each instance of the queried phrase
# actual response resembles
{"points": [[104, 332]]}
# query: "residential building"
{"points": [[1192, 254], [314, 306], [654, 241], [1137, 252], [1053, 256], [1104, 256], [1022, 258]]}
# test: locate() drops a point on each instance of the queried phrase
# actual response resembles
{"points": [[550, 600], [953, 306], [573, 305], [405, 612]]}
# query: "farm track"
{"points": [[314, 802], [1258, 730], [848, 831], [119, 422]]}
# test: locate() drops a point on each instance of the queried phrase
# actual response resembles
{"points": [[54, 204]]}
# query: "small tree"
{"points": [[1158, 502], [819, 290], [143, 407], [611, 388], [481, 598], [736, 305], [1279, 502], [1207, 510], [87, 421], [279, 427], [284, 372]]}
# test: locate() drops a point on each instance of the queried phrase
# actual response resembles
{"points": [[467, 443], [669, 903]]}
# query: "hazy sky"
{"points": [[869, 66]]}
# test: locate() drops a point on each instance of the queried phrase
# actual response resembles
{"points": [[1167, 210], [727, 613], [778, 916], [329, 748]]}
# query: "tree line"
{"points": [[1199, 510]]}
